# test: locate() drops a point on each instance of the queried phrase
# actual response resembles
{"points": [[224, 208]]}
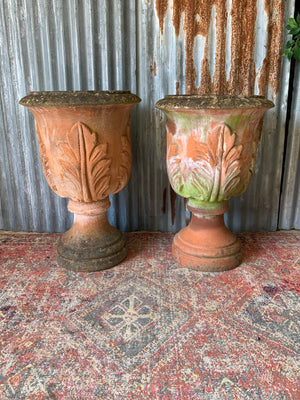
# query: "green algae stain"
{"points": [[187, 122]]}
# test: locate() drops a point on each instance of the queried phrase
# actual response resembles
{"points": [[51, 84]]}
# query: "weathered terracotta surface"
{"points": [[84, 140], [211, 151]]}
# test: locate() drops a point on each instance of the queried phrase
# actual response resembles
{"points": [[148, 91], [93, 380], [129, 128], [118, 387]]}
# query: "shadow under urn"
{"points": [[211, 151], [84, 141]]}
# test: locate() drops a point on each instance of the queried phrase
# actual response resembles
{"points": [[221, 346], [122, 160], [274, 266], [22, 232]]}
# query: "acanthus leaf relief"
{"points": [[125, 160], [174, 163], [44, 158], [206, 171], [86, 163]]}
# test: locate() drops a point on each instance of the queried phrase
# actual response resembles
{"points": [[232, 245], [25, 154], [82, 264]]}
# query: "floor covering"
{"points": [[148, 328]]}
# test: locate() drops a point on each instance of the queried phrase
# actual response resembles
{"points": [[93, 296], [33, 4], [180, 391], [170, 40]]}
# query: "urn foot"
{"points": [[91, 244], [206, 244]]}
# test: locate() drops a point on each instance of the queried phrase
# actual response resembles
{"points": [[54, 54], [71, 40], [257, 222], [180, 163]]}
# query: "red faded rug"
{"points": [[149, 329]]}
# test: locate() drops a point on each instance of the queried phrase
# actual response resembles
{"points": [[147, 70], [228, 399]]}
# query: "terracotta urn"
{"points": [[84, 141], [211, 150]]}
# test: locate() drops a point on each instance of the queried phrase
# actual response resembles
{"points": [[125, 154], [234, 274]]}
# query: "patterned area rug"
{"points": [[148, 328]]}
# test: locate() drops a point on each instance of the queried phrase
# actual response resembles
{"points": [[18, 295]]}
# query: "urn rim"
{"points": [[212, 101], [79, 98]]}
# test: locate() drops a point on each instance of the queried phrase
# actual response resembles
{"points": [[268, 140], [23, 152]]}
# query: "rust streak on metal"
{"points": [[188, 7], [262, 84], [161, 10], [197, 19], [197, 15], [153, 68], [262, 80], [203, 12], [276, 44], [178, 9], [270, 72], [219, 80], [234, 75], [205, 84], [177, 88], [247, 38]]}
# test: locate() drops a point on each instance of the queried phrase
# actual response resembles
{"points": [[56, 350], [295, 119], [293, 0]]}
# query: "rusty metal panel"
{"points": [[153, 48], [290, 201]]}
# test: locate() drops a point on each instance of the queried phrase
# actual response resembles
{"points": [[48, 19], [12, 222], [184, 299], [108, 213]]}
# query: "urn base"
{"points": [[206, 244], [91, 244]]}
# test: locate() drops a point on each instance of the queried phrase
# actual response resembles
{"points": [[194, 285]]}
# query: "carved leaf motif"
{"points": [[202, 179], [203, 172], [196, 149], [125, 161], [226, 158], [85, 162], [174, 163], [176, 179], [210, 170], [44, 158]]}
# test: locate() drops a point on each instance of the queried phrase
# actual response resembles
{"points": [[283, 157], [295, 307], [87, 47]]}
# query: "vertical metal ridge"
{"points": [[74, 38], [117, 56], [42, 69], [129, 208], [141, 125], [289, 217], [12, 130], [269, 175], [60, 47], [89, 45]]}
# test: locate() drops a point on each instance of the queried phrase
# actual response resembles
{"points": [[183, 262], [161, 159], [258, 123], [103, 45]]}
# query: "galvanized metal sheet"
{"points": [[153, 48], [290, 201]]}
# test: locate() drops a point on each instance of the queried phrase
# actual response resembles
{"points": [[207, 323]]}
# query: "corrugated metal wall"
{"points": [[153, 48], [290, 200]]}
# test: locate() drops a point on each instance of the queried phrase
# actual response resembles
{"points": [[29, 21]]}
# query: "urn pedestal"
{"points": [[84, 141], [211, 151]]}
